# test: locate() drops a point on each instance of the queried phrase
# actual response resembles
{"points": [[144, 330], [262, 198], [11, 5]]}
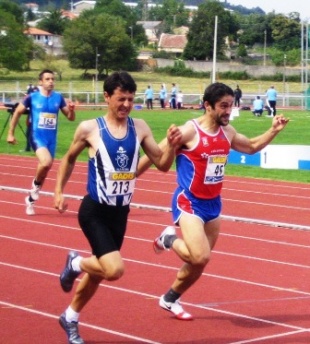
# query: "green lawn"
{"points": [[296, 133]]}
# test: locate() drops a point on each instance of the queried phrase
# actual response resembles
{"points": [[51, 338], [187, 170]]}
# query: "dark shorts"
{"points": [[103, 225]]}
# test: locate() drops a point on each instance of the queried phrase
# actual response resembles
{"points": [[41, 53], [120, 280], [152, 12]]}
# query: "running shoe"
{"points": [[68, 275], [29, 207], [71, 329], [34, 192], [158, 243], [175, 308]]}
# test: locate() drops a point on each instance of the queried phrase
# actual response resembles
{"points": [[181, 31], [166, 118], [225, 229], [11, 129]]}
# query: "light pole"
{"points": [[284, 78], [96, 76], [131, 32], [265, 42]]}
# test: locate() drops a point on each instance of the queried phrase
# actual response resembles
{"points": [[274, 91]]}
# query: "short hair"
{"points": [[214, 92], [45, 71], [123, 80]]}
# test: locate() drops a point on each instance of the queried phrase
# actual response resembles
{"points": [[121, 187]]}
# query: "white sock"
{"points": [[71, 315], [76, 264]]}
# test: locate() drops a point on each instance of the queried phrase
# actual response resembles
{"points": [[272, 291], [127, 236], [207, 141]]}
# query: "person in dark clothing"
{"points": [[238, 96]]}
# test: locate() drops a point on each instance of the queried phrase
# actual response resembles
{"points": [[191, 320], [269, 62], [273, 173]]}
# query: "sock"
{"points": [[168, 240], [36, 183], [171, 296], [76, 264], [71, 315], [31, 200]]}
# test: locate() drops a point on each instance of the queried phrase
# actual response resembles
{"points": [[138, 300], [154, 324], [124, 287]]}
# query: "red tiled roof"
{"points": [[169, 41], [35, 31]]}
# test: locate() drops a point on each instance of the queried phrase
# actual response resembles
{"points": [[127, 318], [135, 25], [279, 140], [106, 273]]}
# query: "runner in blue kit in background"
{"points": [[44, 106], [113, 142]]}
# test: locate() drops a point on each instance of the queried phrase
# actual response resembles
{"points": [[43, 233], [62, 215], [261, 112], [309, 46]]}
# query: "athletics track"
{"points": [[256, 289]]}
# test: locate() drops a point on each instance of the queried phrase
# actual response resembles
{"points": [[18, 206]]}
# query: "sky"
{"points": [[285, 7]]}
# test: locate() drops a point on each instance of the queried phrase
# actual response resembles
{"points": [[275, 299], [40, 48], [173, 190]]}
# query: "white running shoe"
{"points": [[29, 207], [158, 243], [34, 192], [175, 308]]}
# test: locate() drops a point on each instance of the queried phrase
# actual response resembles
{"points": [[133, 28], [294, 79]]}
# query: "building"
{"points": [[172, 43], [51, 43]]}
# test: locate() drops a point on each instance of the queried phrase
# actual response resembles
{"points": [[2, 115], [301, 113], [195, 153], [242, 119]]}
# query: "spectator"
{"points": [[149, 97], [179, 100], [237, 96], [258, 106], [162, 96], [173, 103], [30, 88], [271, 96]]}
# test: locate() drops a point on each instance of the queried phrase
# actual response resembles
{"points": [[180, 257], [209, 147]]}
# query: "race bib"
{"points": [[120, 183], [47, 121], [215, 169]]}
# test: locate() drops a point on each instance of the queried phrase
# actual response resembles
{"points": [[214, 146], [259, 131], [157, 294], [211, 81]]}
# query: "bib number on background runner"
{"points": [[215, 169], [47, 121]]}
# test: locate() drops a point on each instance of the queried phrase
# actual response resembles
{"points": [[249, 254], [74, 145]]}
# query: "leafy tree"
{"points": [[15, 47], [100, 34], [118, 9], [54, 23], [201, 33], [285, 32], [252, 29], [13, 8], [172, 13]]}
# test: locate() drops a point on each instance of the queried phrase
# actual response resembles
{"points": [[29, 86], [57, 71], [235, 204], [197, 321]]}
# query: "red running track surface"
{"points": [[256, 289]]}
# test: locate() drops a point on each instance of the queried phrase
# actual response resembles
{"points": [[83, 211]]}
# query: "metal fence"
{"points": [[191, 100]]}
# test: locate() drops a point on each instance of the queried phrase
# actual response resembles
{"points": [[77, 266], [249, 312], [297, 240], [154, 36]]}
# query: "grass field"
{"points": [[296, 133]]}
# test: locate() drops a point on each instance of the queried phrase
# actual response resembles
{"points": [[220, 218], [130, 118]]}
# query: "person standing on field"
{"points": [[162, 96], [238, 96], [271, 96], [113, 142], [44, 106], [149, 94], [201, 159]]}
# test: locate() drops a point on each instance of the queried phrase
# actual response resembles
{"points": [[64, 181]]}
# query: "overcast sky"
{"points": [[285, 7]]}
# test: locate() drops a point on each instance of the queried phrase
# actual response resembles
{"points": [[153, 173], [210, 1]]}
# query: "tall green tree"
{"points": [[200, 44], [99, 34], [172, 13], [13, 8], [15, 47], [285, 32], [54, 23], [118, 9]]}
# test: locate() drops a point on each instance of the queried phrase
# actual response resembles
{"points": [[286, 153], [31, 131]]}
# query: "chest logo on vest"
{"points": [[205, 141], [122, 158]]}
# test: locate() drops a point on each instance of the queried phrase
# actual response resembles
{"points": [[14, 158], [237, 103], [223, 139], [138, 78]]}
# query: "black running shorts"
{"points": [[103, 225]]}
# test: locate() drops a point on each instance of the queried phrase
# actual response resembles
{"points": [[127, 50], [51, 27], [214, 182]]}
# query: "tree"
{"points": [[54, 23], [15, 47], [14, 9], [118, 9], [285, 32], [172, 13], [100, 34], [201, 33]]}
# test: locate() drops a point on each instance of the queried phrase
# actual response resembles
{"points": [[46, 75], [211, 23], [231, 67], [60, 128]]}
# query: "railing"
{"points": [[94, 99]]}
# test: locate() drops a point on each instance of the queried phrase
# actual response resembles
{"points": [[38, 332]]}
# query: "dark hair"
{"points": [[123, 80], [215, 92], [45, 71]]}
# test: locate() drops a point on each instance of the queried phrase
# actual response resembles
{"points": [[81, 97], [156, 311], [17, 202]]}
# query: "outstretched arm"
{"points": [[250, 146]]}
